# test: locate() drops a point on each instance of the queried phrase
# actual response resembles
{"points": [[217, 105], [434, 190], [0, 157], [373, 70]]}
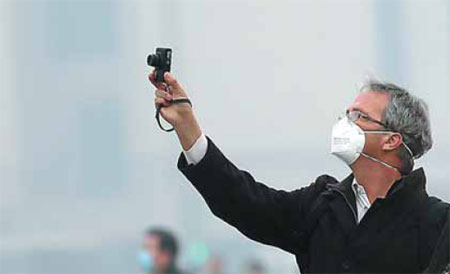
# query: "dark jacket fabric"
{"points": [[318, 223], [440, 262]]}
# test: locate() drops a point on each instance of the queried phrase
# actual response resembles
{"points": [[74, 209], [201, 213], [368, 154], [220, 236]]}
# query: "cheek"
{"points": [[155, 254], [373, 143]]}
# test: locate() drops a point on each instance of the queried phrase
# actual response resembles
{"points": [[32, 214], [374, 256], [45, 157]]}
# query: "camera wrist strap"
{"points": [[172, 101]]}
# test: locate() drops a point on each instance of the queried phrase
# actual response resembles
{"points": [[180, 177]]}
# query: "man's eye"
{"points": [[356, 115]]}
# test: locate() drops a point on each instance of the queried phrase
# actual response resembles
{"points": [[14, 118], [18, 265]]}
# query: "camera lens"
{"points": [[153, 60]]}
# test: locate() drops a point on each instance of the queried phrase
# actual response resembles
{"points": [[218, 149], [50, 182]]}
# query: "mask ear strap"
{"points": [[403, 139], [380, 162], [406, 146], [409, 151], [383, 163]]}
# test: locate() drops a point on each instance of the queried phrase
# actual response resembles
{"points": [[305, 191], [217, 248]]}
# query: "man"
{"points": [[378, 219], [159, 254]]}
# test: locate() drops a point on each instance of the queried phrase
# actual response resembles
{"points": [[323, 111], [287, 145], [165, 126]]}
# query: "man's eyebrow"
{"points": [[358, 109]]}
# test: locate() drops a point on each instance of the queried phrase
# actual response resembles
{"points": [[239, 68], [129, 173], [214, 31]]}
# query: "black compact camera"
{"points": [[161, 60]]}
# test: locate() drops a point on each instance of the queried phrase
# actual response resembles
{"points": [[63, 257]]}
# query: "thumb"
{"points": [[174, 85]]}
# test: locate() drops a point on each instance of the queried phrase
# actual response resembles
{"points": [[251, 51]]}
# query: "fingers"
{"points": [[171, 84], [163, 94], [161, 102], [152, 79], [174, 85], [162, 98]]}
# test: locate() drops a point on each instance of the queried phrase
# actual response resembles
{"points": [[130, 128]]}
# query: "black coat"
{"points": [[441, 255], [318, 223]]}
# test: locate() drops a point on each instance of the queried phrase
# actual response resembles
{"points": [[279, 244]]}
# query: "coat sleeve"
{"points": [[269, 216]]}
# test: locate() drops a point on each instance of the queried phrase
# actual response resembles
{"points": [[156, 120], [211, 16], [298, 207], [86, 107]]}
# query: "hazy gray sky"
{"points": [[84, 168]]}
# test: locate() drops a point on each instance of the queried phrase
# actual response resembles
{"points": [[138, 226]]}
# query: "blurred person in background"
{"points": [[378, 219], [159, 252], [254, 266], [214, 265]]}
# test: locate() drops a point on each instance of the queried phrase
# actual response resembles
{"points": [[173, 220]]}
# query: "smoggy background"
{"points": [[84, 169]]}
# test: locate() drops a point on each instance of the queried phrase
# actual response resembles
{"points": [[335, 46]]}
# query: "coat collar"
{"points": [[345, 187], [403, 197], [414, 181]]}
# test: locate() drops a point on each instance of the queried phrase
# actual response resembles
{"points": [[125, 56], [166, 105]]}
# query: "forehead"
{"points": [[151, 241], [371, 103]]}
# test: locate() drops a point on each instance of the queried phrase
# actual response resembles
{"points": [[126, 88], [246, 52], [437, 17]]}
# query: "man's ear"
{"points": [[392, 142]]}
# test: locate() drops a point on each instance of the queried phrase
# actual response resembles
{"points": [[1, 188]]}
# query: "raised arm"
{"points": [[270, 216]]}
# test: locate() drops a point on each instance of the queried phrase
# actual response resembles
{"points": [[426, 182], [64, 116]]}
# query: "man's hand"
{"points": [[180, 116], [174, 114]]}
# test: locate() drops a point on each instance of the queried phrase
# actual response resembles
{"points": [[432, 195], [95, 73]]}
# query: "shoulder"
{"points": [[435, 210], [436, 206], [321, 183], [316, 188], [434, 217], [326, 179]]}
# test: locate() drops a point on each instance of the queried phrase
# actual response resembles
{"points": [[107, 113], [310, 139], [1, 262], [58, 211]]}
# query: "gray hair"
{"points": [[407, 115]]}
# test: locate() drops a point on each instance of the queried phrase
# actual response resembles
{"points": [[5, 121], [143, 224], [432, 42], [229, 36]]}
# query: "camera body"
{"points": [[161, 60]]}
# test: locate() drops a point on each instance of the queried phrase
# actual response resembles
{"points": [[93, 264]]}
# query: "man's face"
{"points": [[373, 105], [160, 257]]}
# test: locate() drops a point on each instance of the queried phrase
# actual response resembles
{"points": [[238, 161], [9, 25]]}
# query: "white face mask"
{"points": [[348, 140]]}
